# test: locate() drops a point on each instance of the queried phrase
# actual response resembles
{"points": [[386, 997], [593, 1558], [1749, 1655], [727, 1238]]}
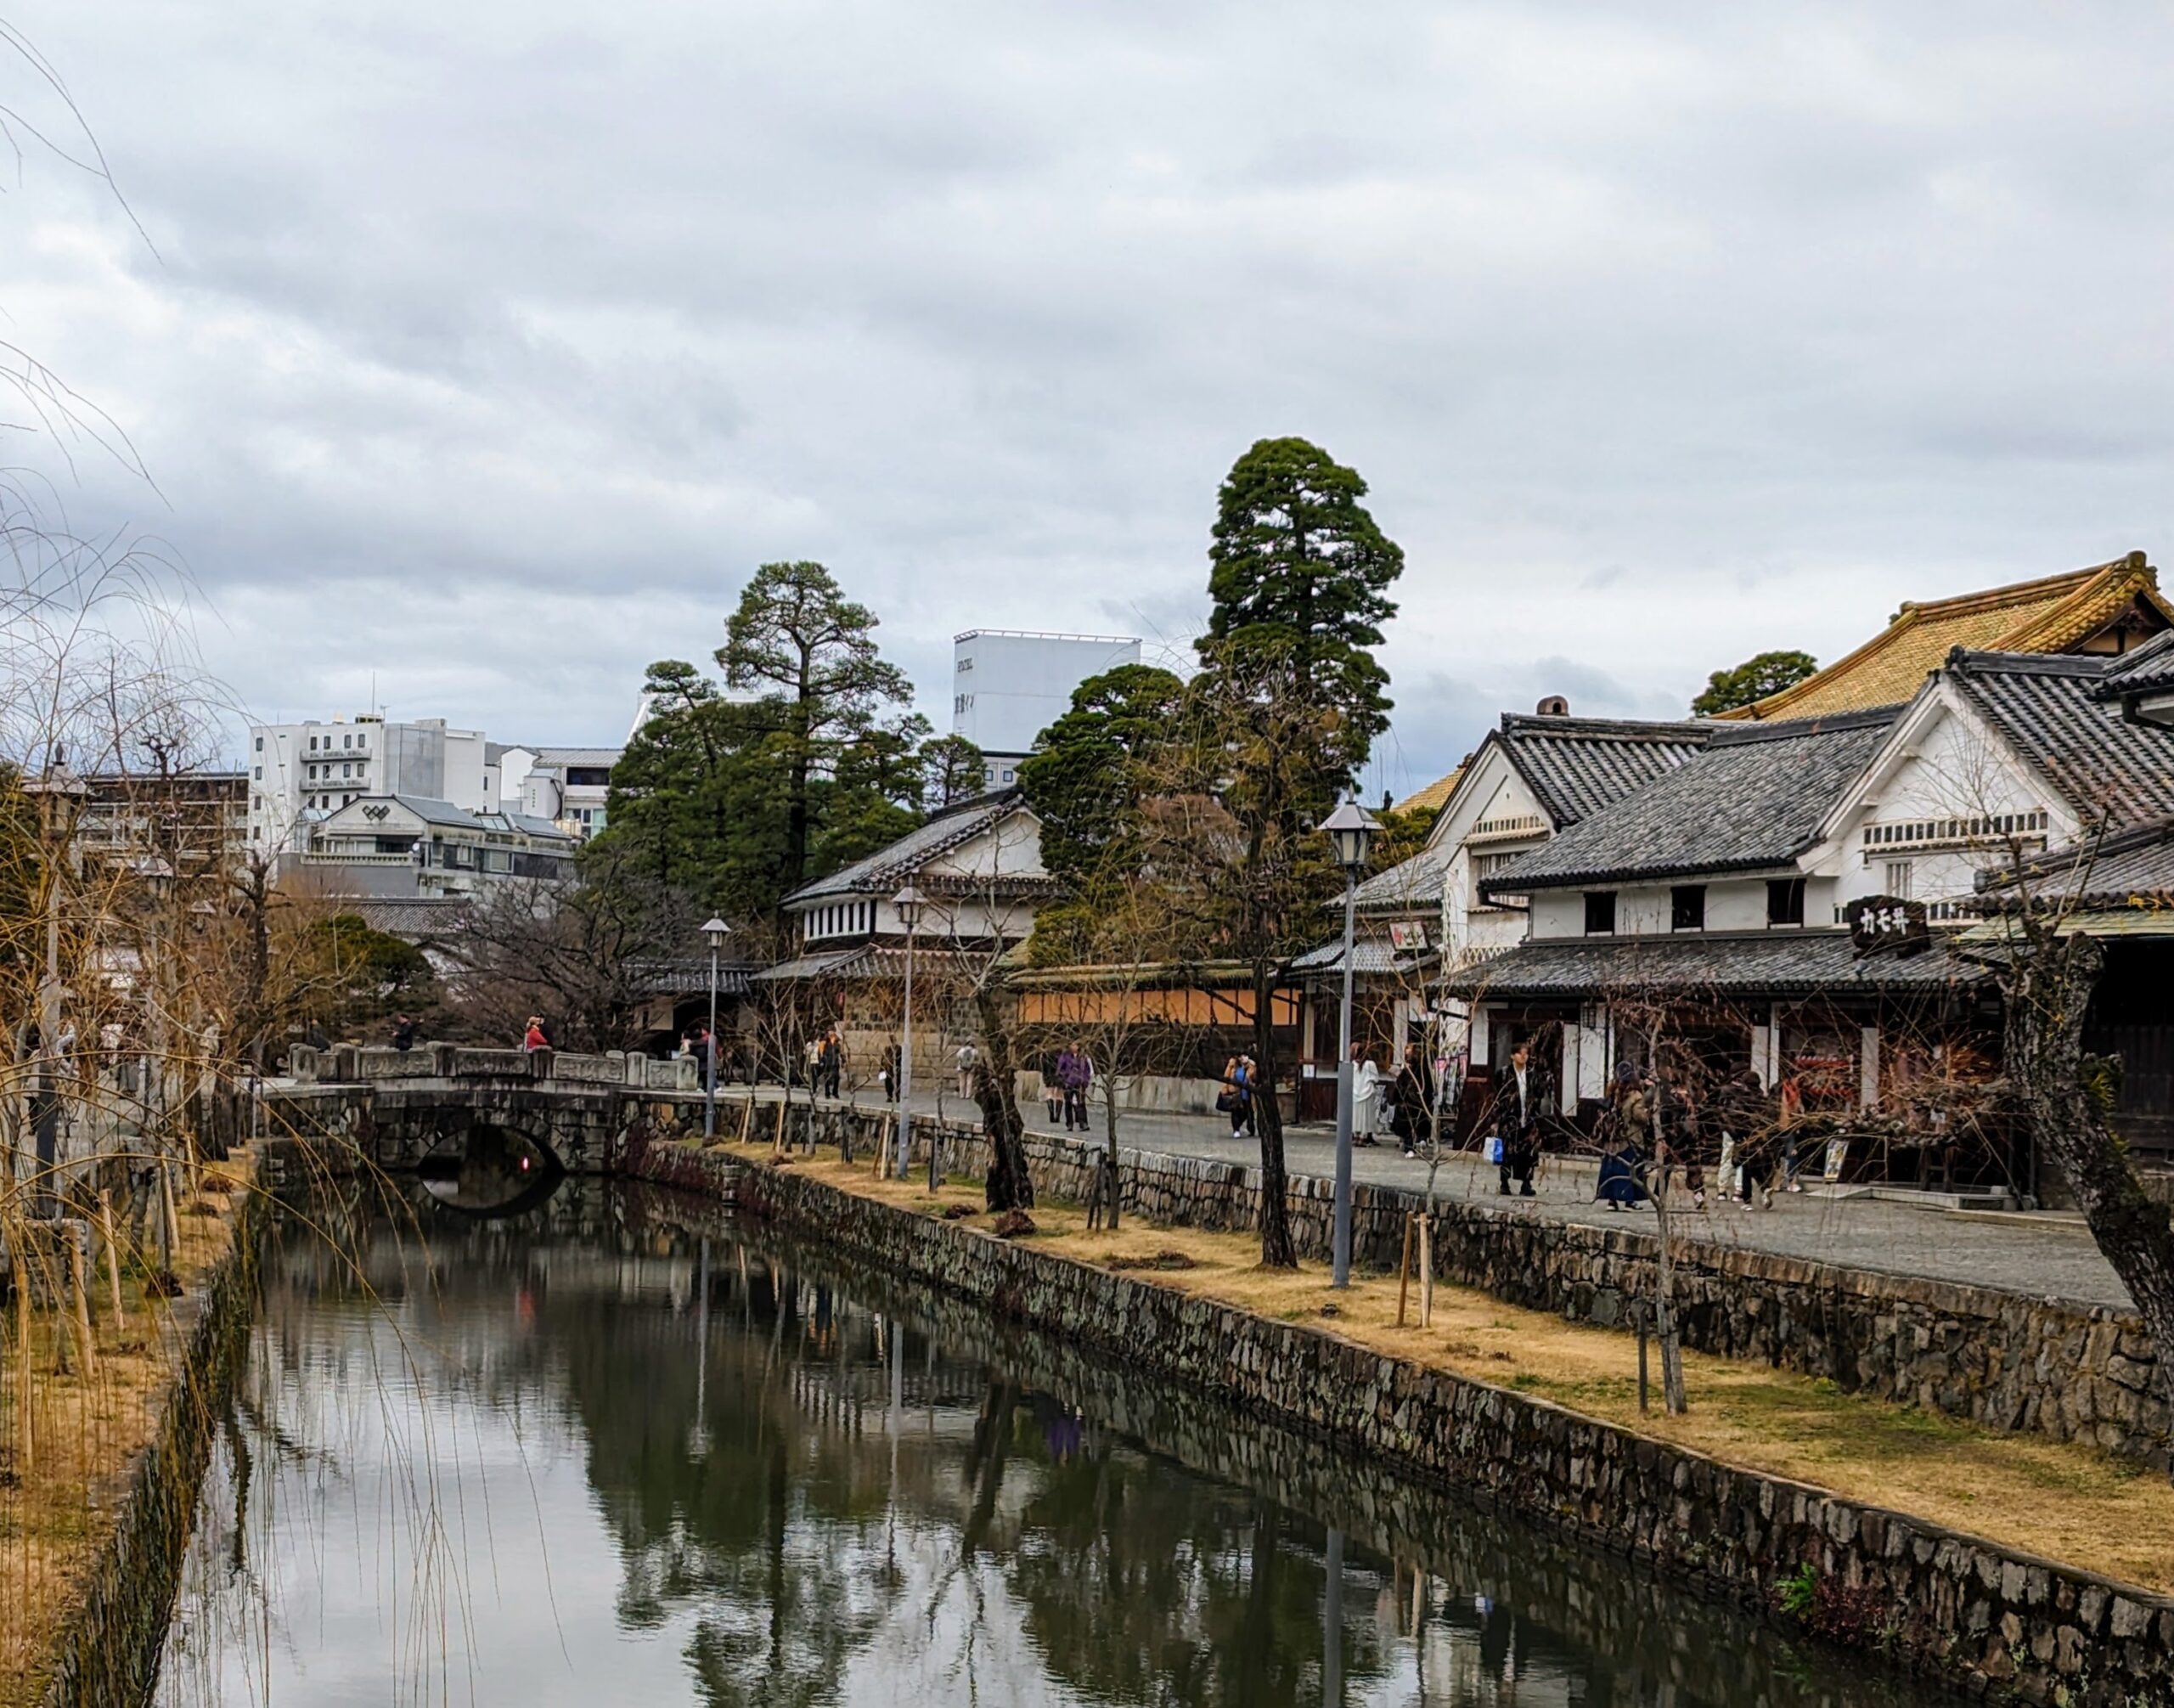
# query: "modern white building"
{"points": [[301, 773], [566, 785], [400, 847], [1008, 684]]}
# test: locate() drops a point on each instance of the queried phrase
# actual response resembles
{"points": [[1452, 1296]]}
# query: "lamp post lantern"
{"points": [[716, 931], [1351, 828], [907, 904]]}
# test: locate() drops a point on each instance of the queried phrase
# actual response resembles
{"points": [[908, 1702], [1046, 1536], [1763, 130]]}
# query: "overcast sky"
{"points": [[488, 346]]}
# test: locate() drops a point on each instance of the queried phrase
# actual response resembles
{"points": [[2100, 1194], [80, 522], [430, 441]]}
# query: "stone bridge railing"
{"points": [[349, 1064]]}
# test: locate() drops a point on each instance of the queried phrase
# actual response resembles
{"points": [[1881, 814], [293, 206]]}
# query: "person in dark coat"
{"points": [[1628, 1131], [1521, 1095], [1744, 1114], [404, 1033], [1414, 1097]]}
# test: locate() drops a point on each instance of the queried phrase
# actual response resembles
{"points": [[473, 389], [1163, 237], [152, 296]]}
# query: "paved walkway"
{"points": [[2048, 1256]]}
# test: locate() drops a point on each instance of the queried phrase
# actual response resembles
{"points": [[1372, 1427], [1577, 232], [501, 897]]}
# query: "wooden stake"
{"points": [[81, 1285], [23, 1458], [112, 1260], [1425, 1273], [746, 1116], [777, 1138], [1404, 1273]]}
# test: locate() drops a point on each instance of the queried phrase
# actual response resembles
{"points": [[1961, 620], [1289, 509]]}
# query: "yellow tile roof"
{"points": [[2056, 613], [1433, 795]]}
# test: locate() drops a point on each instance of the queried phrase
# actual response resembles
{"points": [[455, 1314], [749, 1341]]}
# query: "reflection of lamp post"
{"points": [[698, 1434], [717, 931], [1351, 828], [907, 904]]}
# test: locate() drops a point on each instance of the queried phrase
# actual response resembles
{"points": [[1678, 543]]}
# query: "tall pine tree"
{"points": [[1288, 703], [1299, 570], [809, 653]]}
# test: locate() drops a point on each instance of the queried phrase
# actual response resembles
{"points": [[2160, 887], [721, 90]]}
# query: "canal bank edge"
{"points": [[2007, 1359], [106, 1653], [1978, 1617]]}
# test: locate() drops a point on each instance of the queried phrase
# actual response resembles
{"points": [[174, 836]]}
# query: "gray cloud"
{"points": [[488, 347]]}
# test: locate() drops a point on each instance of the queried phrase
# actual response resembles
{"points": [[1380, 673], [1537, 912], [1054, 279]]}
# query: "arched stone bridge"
{"points": [[395, 1108]]}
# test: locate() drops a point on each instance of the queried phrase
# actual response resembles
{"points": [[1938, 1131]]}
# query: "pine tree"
{"points": [[1086, 768], [1299, 566], [798, 642]]}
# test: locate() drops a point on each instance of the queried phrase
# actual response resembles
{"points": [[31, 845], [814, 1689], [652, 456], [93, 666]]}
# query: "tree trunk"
{"points": [[2066, 1097], [1672, 1394], [1278, 1250], [1008, 1186]]}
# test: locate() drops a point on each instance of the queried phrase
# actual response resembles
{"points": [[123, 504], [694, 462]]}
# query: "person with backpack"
{"points": [[1236, 1098]]}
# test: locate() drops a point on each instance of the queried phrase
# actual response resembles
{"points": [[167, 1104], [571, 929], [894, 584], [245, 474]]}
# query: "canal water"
{"points": [[616, 1449]]}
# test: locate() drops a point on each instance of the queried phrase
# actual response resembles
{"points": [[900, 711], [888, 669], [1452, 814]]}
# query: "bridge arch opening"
{"points": [[488, 1171]]}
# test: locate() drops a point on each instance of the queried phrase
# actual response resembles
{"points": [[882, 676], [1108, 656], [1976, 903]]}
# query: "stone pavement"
{"points": [[2049, 1256]]}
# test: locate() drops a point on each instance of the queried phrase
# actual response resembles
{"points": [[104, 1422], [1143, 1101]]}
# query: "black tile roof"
{"points": [[888, 868], [1411, 886], [1575, 766], [1778, 963], [1754, 796], [2147, 670], [2048, 707], [2130, 868]]}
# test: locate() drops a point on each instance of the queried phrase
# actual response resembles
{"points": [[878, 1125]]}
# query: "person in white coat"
{"points": [[1367, 1084]]}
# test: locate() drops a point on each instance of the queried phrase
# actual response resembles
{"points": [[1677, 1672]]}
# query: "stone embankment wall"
{"points": [[107, 1654], [2007, 1360], [1946, 1605]]}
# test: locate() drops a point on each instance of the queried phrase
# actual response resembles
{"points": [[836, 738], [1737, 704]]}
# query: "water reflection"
{"points": [[617, 1449]]}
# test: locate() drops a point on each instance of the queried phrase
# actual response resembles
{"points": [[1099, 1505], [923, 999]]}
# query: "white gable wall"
{"points": [[1941, 764], [1490, 791]]}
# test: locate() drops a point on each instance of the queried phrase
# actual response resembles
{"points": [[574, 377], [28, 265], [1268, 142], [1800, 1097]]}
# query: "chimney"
{"points": [[1553, 706]]}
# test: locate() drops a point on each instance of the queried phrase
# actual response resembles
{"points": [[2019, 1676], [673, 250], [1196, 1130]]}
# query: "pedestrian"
{"points": [[1519, 1102], [1789, 1114], [964, 1059], [1366, 1094], [1745, 1122], [1412, 1098], [1628, 1125], [404, 1033], [1686, 1132], [1236, 1099], [830, 1062], [893, 1061], [1075, 1073], [536, 1038]]}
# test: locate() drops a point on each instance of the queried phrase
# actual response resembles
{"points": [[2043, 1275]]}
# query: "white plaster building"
{"points": [[567, 785]]}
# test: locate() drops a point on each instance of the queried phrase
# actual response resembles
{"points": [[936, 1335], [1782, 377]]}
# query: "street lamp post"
{"points": [[907, 904], [1351, 828], [717, 931]]}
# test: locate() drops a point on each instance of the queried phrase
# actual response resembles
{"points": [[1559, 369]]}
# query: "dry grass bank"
{"points": [[2064, 1501], [86, 1431]]}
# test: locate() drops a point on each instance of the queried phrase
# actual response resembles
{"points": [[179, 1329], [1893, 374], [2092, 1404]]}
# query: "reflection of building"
{"points": [[1008, 686], [299, 772], [399, 845]]}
